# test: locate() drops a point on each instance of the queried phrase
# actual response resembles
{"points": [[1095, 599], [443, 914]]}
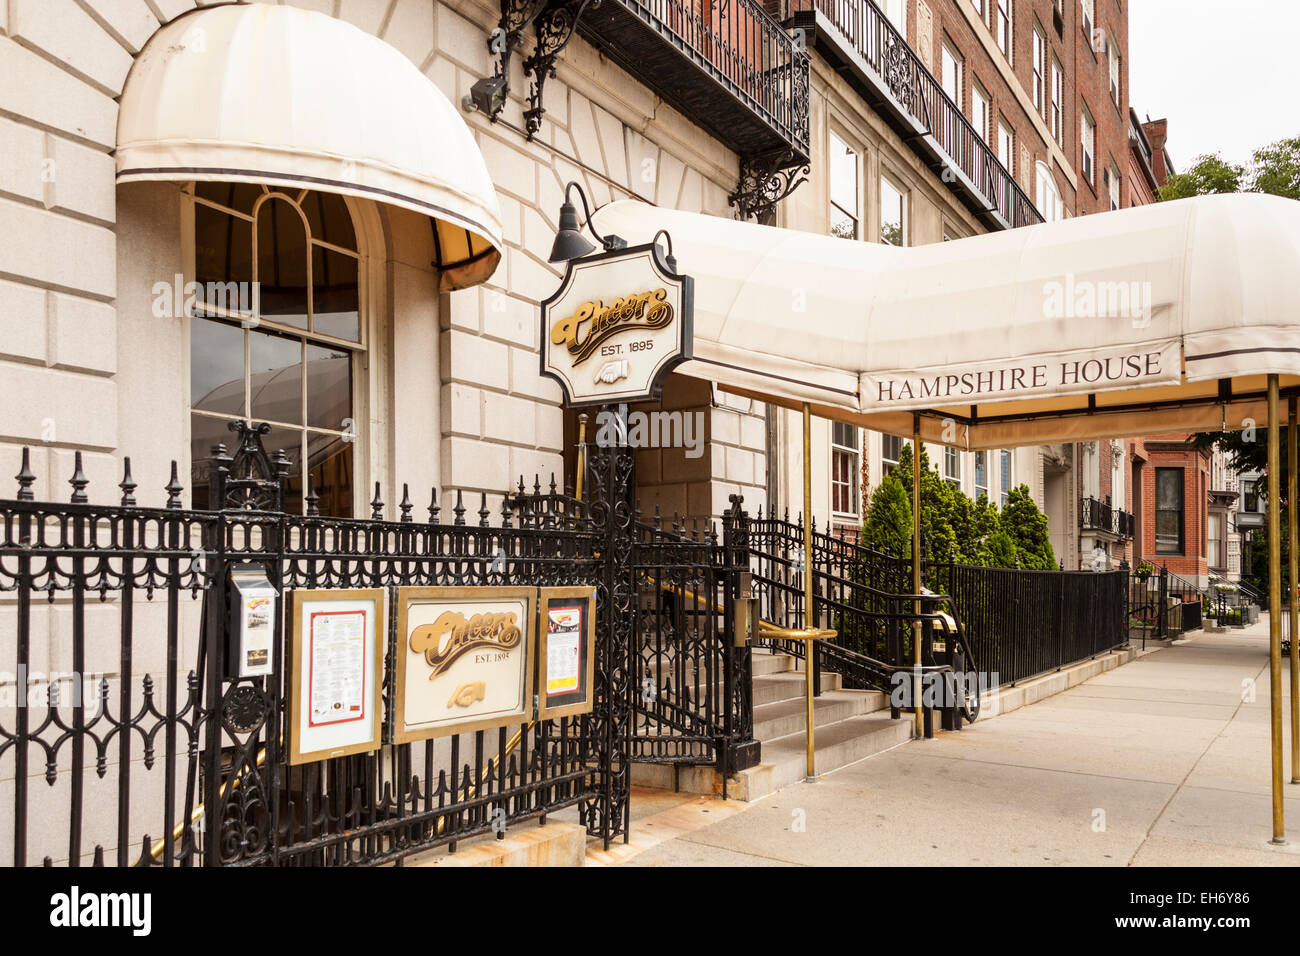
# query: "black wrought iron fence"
{"points": [[1016, 623], [125, 743]]}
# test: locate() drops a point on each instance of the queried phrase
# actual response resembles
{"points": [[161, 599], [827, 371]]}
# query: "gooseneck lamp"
{"points": [[570, 243]]}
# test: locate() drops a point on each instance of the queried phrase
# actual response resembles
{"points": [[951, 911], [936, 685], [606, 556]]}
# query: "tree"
{"points": [[1273, 169], [1027, 528], [938, 539], [1209, 174], [889, 517]]}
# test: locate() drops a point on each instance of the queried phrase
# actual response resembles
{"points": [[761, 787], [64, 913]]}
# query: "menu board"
{"points": [[336, 666], [566, 664]]}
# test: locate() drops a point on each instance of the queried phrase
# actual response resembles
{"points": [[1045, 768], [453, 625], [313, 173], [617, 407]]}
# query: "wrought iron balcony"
{"points": [[1097, 515], [727, 66], [859, 39]]}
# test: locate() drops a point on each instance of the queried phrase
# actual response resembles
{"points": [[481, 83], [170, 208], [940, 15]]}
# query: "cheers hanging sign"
{"points": [[617, 324]]}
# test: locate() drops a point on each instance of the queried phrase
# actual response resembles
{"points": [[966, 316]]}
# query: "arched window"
{"points": [[275, 333], [1048, 197]]}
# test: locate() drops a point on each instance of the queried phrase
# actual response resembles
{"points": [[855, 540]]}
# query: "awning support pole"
{"points": [[1292, 519], [916, 571], [1275, 603], [810, 646]]}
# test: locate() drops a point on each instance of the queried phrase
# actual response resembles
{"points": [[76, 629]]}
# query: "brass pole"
{"points": [[1292, 518], [916, 571], [809, 646], [582, 453], [1275, 605]]}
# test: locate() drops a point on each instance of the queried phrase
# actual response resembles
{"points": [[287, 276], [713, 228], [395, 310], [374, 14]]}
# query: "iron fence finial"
{"points": [[79, 481], [26, 477], [127, 484]]}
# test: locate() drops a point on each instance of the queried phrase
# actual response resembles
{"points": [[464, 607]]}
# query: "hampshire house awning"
{"points": [[297, 99], [1166, 317]]}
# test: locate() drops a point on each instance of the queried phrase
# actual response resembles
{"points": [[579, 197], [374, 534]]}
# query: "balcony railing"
{"points": [[725, 64], [1097, 515], [934, 119]]}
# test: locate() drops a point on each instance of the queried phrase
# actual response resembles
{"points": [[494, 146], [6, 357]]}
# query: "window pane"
{"points": [[282, 263], [204, 433], [216, 367], [330, 221], [843, 226], [330, 462], [329, 387], [844, 176], [276, 372], [223, 249], [240, 196], [290, 440], [892, 229], [334, 295]]}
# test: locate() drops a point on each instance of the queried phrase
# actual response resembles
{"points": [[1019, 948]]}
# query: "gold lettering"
{"points": [[451, 636], [594, 322]]}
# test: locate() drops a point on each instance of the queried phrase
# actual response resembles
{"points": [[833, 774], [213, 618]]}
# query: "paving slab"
{"points": [[1162, 762]]}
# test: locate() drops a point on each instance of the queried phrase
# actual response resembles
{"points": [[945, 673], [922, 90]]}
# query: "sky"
{"points": [[1223, 72]]}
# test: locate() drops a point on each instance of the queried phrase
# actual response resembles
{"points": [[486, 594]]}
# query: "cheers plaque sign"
{"points": [[464, 660], [617, 324]]}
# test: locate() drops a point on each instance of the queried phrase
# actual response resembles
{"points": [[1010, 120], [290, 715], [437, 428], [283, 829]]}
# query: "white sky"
{"points": [[1222, 71]]}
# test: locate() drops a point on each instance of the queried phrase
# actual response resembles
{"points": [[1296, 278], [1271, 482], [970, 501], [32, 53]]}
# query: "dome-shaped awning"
{"points": [[289, 97]]}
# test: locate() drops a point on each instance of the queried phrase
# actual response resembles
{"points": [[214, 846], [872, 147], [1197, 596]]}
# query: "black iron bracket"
{"points": [[555, 26], [765, 180]]}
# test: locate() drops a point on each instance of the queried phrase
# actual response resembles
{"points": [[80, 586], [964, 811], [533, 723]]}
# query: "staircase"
{"points": [[850, 725]]}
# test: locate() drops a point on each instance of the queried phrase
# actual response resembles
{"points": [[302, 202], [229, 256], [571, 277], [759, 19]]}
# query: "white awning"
{"points": [[1158, 318], [294, 98]]}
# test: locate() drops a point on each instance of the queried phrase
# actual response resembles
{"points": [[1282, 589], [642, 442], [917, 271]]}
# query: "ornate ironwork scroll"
{"points": [[765, 180], [554, 27]]}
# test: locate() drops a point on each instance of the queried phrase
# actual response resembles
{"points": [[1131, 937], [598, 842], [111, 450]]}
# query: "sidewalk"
{"points": [[1159, 762]]}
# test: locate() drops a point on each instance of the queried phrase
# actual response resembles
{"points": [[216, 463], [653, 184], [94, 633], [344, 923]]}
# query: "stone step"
{"points": [[774, 688], [763, 662], [784, 760], [786, 717], [836, 745]]}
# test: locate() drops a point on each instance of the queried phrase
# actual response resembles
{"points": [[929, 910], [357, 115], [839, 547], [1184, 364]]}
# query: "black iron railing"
{"points": [[1161, 604], [1097, 515], [877, 41], [745, 51], [191, 762], [1014, 623]]}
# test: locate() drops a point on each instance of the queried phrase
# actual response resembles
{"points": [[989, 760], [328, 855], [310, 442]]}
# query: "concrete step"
{"points": [[784, 760], [764, 662], [836, 745], [786, 717], [774, 688]]}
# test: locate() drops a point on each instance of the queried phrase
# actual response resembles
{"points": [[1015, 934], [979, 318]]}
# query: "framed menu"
{"points": [[566, 651], [464, 660], [336, 665]]}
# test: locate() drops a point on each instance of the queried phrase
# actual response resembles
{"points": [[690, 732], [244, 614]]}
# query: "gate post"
{"points": [[610, 509], [1162, 598], [739, 749]]}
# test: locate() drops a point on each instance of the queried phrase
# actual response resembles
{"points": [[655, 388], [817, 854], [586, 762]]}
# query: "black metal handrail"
{"points": [[1095, 515], [870, 32], [749, 50]]}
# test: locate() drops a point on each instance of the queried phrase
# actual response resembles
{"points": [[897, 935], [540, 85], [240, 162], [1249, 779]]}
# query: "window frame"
{"points": [[856, 213], [1008, 161], [889, 465], [952, 465], [360, 351], [1039, 67], [841, 451], [950, 53], [1181, 510], [1004, 28], [1006, 475], [904, 197], [1087, 144], [979, 95], [1056, 109], [981, 467]]}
